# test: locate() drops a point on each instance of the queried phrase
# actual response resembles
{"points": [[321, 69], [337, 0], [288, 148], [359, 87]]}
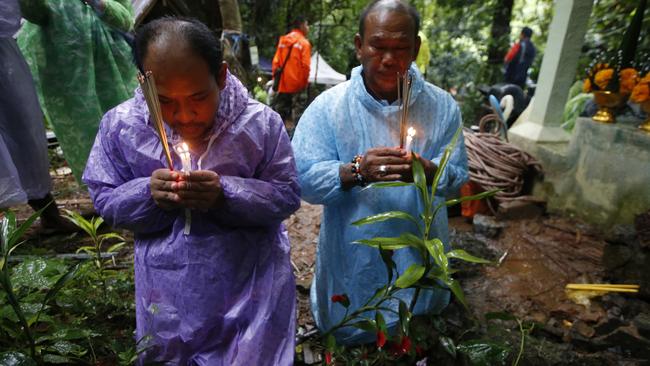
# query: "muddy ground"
{"points": [[537, 258]]}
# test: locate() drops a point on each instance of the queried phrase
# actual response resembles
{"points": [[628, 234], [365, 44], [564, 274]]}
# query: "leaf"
{"points": [[380, 322], [444, 160], [412, 274], [59, 284], [420, 180], [463, 255], [455, 288], [80, 221], [383, 243], [115, 247], [390, 184], [387, 258], [7, 228], [67, 348], [111, 236], [484, 353], [57, 359], [13, 358], [393, 243], [404, 317], [386, 216], [330, 343], [475, 197], [16, 234], [448, 345], [437, 251], [366, 325]]}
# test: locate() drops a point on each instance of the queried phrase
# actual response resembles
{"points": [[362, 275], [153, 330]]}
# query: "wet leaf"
{"points": [[420, 180], [412, 274], [37, 273], [380, 322], [67, 348], [404, 317], [455, 288], [386, 216], [485, 353], [463, 255], [390, 184], [13, 358], [57, 359], [365, 325], [437, 251], [448, 345], [475, 197], [330, 343]]}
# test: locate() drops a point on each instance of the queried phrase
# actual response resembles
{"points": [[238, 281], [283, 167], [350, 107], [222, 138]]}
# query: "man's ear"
{"points": [[221, 77], [418, 42], [358, 42]]}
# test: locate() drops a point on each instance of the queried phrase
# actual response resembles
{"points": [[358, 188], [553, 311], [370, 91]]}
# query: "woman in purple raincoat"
{"points": [[222, 294]]}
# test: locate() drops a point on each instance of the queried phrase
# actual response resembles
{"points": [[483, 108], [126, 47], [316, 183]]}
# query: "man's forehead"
{"points": [[389, 21]]}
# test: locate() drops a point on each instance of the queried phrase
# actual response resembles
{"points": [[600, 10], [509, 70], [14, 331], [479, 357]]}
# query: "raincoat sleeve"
{"points": [[272, 194], [122, 200], [316, 156], [35, 11], [118, 14], [455, 174]]}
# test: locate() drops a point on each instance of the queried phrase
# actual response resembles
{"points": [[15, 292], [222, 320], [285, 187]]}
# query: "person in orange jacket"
{"points": [[293, 57]]}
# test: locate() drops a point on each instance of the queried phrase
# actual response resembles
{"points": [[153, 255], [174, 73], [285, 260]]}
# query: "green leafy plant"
{"points": [[29, 307], [435, 271], [91, 227]]}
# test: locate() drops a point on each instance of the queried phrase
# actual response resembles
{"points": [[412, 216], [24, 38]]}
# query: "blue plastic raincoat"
{"points": [[225, 293], [341, 123]]}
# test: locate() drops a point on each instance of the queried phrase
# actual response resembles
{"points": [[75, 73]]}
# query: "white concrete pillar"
{"points": [[565, 39]]}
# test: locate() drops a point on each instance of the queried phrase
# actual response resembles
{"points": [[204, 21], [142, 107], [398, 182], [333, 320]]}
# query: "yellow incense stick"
{"points": [[148, 86]]}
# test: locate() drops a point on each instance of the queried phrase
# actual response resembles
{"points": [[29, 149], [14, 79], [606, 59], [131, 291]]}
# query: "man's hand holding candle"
{"points": [[199, 189]]}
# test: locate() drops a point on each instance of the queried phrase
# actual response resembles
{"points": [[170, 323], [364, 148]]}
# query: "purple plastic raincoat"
{"points": [[223, 294]]}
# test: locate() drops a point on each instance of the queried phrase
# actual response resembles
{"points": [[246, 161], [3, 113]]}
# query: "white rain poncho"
{"points": [[345, 121]]}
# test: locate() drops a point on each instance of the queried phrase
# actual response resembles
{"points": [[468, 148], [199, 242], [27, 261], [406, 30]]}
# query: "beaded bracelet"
{"points": [[356, 170]]}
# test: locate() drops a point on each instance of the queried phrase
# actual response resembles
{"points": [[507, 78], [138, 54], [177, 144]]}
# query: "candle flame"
{"points": [[411, 132], [185, 147]]}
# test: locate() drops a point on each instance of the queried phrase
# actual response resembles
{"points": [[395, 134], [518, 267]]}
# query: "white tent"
{"points": [[326, 74]]}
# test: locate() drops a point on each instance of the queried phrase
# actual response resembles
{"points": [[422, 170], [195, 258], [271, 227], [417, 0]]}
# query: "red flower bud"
{"points": [[342, 299], [406, 344], [381, 339], [328, 358]]}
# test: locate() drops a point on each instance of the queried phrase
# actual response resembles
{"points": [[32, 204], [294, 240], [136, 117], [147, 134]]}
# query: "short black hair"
{"points": [[197, 35], [298, 21], [397, 5], [527, 32]]}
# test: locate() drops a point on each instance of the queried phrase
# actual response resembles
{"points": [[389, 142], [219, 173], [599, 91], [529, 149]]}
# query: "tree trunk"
{"points": [[230, 16], [499, 33]]}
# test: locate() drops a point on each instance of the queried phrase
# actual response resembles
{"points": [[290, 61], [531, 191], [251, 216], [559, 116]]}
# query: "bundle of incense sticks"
{"points": [[404, 98], [148, 86], [604, 287]]}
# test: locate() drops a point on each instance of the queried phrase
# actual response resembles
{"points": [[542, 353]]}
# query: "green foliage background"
{"points": [[458, 31]]}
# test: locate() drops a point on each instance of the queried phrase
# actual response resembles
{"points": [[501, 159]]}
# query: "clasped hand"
{"points": [[385, 164], [199, 189]]}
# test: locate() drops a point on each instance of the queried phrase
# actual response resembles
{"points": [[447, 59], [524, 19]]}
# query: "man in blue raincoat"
{"points": [[346, 138], [224, 293]]}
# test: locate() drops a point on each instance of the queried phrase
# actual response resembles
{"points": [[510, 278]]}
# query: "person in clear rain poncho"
{"points": [[360, 117], [24, 164], [224, 292], [81, 63]]}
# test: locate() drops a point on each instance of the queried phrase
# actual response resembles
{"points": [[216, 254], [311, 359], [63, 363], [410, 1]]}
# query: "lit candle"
{"points": [[410, 133], [184, 153]]}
